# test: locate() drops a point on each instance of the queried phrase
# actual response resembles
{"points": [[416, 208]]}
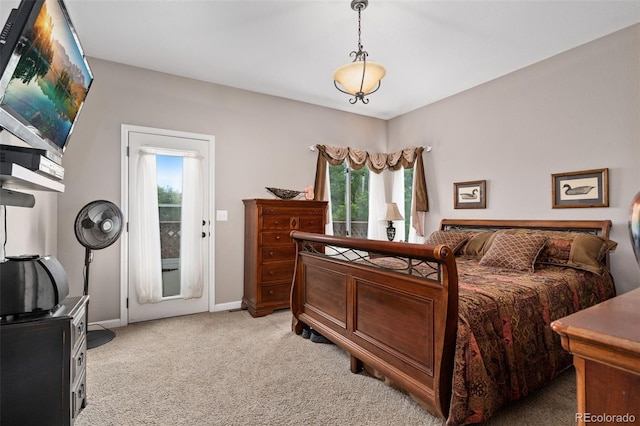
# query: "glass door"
{"points": [[169, 237]]}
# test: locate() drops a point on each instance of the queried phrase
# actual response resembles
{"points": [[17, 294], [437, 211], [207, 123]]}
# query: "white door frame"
{"points": [[124, 203]]}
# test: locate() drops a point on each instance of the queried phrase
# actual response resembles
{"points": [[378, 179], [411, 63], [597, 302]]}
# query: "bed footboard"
{"points": [[399, 322]]}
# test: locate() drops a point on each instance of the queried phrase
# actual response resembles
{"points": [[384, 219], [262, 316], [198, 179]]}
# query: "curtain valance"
{"points": [[377, 162]]}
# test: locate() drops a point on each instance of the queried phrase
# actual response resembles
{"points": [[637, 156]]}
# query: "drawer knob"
{"points": [[270, 272], [270, 292], [271, 253], [278, 237]]}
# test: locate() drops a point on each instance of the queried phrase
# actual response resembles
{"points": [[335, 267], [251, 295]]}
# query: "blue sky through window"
{"points": [[169, 172]]}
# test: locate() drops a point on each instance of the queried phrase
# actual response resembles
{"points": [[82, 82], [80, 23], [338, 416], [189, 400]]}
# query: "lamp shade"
{"points": [[349, 76], [392, 212]]}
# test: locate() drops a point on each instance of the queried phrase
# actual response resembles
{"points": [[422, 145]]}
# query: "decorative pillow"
{"points": [[474, 248], [557, 249], [576, 250], [453, 239], [588, 252], [514, 251]]}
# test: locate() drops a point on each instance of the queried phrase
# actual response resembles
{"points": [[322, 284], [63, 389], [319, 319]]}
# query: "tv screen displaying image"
{"points": [[47, 77]]}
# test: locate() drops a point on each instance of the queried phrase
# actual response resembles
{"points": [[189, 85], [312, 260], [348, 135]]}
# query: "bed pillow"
{"points": [[475, 245], [557, 249], [580, 251], [514, 251], [453, 239], [588, 252]]}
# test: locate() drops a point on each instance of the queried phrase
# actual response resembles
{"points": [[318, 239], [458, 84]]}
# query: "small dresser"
{"points": [[269, 252], [43, 366], [605, 342]]}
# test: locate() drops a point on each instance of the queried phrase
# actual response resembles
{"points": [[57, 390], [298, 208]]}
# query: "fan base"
{"points": [[97, 338]]}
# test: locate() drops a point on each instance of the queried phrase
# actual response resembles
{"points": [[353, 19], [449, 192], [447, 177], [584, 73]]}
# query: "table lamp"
{"points": [[392, 214]]}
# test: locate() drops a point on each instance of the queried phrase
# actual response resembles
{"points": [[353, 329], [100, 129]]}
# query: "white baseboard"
{"points": [[115, 323], [227, 306]]}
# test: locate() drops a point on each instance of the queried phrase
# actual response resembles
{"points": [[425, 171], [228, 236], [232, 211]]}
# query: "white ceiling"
{"points": [[431, 49]]}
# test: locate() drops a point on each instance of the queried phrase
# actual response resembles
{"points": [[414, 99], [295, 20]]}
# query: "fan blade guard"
{"points": [[90, 227]]}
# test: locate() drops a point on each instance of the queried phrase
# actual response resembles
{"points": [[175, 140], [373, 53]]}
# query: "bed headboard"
{"points": [[595, 227]]}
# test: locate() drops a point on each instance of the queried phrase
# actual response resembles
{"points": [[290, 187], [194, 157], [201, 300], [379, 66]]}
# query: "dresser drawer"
{"points": [[275, 293], [275, 238], [270, 254], [272, 272], [276, 222], [78, 328], [78, 362], [311, 224], [79, 396], [292, 211]]}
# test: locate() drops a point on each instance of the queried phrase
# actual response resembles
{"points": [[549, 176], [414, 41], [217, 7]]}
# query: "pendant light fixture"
{"points": [[361, 77]]}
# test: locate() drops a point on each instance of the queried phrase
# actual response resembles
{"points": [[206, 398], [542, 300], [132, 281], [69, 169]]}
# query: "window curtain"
{"points": [[146, 263], [327, 196], [376, 228], [413, 235], [397, 196], [377, 162], [146, 257], [191, 274]]}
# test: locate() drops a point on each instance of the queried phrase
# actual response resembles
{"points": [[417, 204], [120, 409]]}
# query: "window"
{"points": [[169, 178], [351, 219], [349, 200]]}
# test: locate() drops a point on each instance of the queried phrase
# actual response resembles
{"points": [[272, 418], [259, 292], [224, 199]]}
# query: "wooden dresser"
{"points": [[269, 252], [605, 342], [42, 367]]}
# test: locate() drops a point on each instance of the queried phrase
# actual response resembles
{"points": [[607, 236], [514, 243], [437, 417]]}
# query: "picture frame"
{"points": [[587, 188], [470, 195]]}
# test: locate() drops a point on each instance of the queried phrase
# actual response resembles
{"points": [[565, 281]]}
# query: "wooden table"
{"points": [[605, 342]]}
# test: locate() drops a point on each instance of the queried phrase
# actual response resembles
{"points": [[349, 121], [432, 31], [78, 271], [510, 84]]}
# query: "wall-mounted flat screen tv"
{"points": [[45, 75]]}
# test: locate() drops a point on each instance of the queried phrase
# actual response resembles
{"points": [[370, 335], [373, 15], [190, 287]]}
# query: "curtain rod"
{"points": [[427, 148]]}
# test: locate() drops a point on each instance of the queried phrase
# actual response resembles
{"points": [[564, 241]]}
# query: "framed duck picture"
{"points": [[470, 195], [588, 188]]}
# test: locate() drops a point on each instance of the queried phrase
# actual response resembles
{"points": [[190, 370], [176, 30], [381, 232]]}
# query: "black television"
{"points": [[45, 77]]}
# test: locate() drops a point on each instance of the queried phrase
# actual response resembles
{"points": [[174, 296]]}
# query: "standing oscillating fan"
{"points": [[97, 226]]}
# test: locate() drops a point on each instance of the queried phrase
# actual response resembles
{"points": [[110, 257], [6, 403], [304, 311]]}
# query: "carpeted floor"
{"points": [[227, 368]]}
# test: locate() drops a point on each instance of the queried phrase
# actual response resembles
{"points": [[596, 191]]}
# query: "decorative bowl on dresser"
{"points": [[269, 251]]}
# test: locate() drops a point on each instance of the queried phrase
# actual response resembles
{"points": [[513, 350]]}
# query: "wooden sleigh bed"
{"points": [[458, 326]]}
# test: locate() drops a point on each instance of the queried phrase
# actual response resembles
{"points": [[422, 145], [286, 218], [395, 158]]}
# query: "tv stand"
{"points": [[14, 176], [42, 366]]}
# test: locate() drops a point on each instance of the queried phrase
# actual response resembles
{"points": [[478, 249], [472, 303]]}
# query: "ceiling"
{"points": [[431, 49]]}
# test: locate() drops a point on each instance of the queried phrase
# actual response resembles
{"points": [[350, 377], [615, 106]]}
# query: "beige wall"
{"points": [[576, 111], [271, 136], [30, 230]]}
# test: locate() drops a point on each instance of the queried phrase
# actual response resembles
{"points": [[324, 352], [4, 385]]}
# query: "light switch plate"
{"points": [[222, 215]]}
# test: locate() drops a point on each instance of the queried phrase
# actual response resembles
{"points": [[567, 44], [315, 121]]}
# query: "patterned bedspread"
{"points": [[505, 348]]}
